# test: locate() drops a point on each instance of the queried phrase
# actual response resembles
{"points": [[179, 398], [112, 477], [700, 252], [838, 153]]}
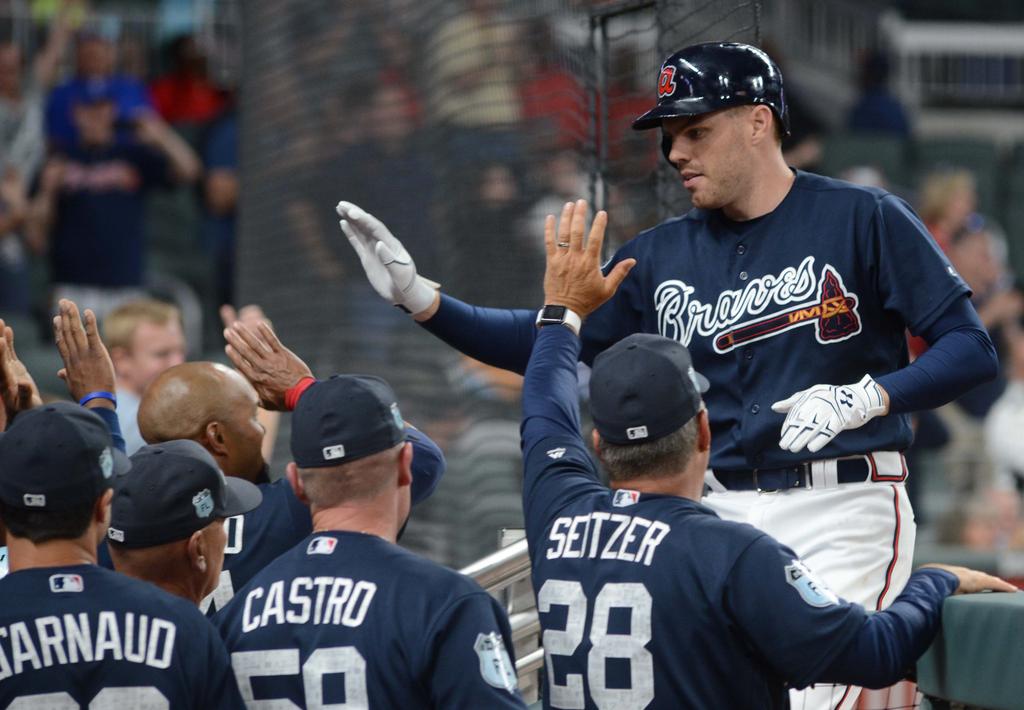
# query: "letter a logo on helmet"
{"points": [[667, 81]]}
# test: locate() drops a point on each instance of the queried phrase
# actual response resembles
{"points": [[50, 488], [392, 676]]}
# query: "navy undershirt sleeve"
{"points": [[496, 336], [960, 356], [109, 417], [890, 641]]}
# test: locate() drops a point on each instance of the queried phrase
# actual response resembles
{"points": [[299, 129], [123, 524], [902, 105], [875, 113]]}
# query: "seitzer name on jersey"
{"points": [[606, 536], [308, 600], [71, 638]]}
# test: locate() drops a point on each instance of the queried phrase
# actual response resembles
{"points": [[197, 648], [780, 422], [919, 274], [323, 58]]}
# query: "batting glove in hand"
{"points": [[387, 264], [819, 413]]}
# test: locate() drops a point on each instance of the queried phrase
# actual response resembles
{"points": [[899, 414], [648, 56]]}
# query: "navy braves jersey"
{"points": [[652, 601], [85, 637], [281, 521], [346, 617], [818, 291]]}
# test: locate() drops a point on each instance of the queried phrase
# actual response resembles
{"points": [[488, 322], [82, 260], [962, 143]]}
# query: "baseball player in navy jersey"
{"points": [[793, 293], [167, 518], [647, 599], [72, 634], [347, 617], [217, 407]]}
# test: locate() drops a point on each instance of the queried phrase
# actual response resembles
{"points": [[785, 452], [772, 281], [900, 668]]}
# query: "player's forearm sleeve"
{"points": [[960, 356], [497, 336], [428, 464], [891, 641], [109, 417], [550, 390]]}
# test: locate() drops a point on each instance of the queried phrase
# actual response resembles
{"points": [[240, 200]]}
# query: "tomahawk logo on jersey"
{"points": [[349, 618], [781, 303], [85, 637]]}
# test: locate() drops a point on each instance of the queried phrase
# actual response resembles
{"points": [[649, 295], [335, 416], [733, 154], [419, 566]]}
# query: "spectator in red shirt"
{"points": [[186, 94]]}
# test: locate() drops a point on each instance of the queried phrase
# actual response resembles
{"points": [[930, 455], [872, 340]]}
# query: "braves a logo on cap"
{"points": [[321, 546], [66, 583], [667, 81], [811, 589], [556, 453], [495, 665], [203, 503], [625, 497]]}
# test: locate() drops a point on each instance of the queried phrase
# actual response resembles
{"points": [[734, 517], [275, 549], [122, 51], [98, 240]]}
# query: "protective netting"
{"points": [[460, 125]]}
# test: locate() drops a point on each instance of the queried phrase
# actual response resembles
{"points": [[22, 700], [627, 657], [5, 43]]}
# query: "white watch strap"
{"points": [[571, 319]]}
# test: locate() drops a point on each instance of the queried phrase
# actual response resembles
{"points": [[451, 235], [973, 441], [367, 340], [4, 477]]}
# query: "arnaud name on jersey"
{"points": [[310, 600], [71, 638], [625, 537]]}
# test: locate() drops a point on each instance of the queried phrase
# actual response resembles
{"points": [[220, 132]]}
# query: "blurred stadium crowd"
{"points": [[120, 180]]}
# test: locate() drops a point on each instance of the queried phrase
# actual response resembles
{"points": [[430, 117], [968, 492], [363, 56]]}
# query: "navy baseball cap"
{"points": [[643, 388], [56, 457], [345, 418], [174, 489]]}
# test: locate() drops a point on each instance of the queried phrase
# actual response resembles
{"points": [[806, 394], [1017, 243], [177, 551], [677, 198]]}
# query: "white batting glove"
{"points": [[819, 413], [387, 264]]}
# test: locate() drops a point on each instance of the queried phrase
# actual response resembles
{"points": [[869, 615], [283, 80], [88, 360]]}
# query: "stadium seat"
{"points": [[884, 152]]}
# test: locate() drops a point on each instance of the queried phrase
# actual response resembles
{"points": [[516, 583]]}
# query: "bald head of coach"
{"points": [[212, 405]]}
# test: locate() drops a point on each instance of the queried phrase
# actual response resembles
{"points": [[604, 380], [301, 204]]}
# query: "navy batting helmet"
{"points": [[715, 75]]}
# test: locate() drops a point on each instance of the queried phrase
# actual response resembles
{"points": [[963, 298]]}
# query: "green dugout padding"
{"points": [[978, 657]]}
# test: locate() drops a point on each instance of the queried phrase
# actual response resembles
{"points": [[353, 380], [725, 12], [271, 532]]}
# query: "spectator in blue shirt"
{"points": [[876, 109], [88, 212]]}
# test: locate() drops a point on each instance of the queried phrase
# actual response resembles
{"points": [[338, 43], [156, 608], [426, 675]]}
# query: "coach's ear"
{"points": [[213, 439], [703, 431], [101, 512], [596, 440], [197, 552], [405, 465], [295, 481]]}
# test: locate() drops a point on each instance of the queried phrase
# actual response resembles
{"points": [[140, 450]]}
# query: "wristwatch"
{"points": [[559, 315]]}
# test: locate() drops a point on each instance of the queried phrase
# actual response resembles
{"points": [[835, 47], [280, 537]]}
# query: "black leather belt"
{"points": [[854, 470]]}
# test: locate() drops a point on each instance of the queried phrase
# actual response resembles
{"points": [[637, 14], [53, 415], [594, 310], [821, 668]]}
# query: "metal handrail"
{"points": [[530, 663], [524, 624], [502, 568]]}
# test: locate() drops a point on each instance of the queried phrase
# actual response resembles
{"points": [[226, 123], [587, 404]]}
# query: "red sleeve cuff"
{"points": [[293, 394]]}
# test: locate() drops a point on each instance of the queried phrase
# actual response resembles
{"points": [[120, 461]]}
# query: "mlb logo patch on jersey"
{"points": [[812, 590], [495, 666], [556, 453], [625, 497], [321, 546], [66, 583]]}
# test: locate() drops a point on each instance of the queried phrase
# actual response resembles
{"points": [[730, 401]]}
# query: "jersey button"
{"points": [[741, 249], [755, 408], [743, 276], [748, 354]]}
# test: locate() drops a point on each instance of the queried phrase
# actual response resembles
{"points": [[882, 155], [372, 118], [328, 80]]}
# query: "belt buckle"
{"points": [[757, 485]]}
